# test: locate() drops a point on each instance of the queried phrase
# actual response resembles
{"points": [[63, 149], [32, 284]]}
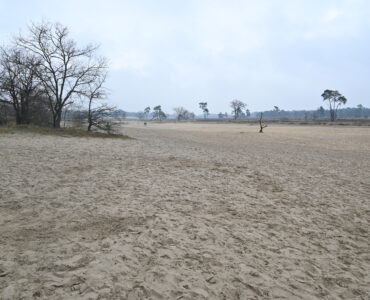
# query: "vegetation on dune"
{"points": [[65, 132]]}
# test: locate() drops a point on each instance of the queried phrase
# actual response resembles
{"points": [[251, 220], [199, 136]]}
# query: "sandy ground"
{"points": [[187, 211]]}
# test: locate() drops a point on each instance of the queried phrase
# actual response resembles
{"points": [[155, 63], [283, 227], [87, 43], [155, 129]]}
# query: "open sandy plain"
{"points": [[187, 211]]}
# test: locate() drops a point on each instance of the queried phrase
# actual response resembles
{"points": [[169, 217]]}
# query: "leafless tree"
{"points": [[65, 69], [18, 81], [237, 108], [262, 125], [183, 114], [97, 116]]}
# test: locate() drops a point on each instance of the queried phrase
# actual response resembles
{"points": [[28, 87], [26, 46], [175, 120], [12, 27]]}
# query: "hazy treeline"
{"points": [[348, 112], [240, 110], [321, 113]]}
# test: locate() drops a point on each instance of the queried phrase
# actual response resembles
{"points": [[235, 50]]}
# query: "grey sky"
{"points": [[178, 53]]}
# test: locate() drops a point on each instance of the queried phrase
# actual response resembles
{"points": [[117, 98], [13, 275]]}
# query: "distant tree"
{"points": [[220, 115], [276, 108], [321, 112], [119, 114], [248, 113], [237, 108], [147, 112], [191, 116], [183, 114], [360, 109], [141, 115], [335, 100], [262, 125], [204, 108], [180, 113], [158, 114]]}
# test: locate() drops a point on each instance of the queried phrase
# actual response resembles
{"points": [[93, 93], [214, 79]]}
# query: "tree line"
{"points": [[239, 110], [44, 72]]}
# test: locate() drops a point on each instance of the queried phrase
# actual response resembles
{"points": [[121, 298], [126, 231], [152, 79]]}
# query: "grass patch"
{"points": [[64, 132]]}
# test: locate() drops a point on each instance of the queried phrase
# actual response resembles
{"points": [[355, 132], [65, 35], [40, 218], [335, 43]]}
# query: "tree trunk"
{"points": [[89, 117], [332, 115], [18, 118], [90, 121], [261, 124], [24, 114], [21, 116], [56, 119]]}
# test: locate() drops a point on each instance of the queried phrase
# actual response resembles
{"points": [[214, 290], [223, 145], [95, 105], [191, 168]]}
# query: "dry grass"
{"points": [[65, 132]]}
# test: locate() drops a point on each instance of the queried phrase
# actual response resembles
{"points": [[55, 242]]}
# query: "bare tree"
{"points": [[180, 112], [191, 115], [65, 69], [237, 108], [183, 114], [18, 84], [262, 125], [98, 116], [95, 91]]}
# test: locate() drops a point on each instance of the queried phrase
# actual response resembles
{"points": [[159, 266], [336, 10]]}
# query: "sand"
{"points": [[187, 211]]}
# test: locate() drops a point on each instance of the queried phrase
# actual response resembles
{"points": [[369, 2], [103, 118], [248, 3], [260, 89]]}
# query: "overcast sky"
{"points": [[179, 52]]}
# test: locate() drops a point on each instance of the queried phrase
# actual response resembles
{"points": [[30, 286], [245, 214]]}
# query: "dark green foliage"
{"points": [[335, 100]]}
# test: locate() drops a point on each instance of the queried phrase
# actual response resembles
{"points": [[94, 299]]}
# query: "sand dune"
{"points": [[187, 211]]}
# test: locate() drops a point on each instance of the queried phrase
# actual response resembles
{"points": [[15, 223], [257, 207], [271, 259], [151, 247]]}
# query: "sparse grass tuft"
{"points": [[64, 132]]}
